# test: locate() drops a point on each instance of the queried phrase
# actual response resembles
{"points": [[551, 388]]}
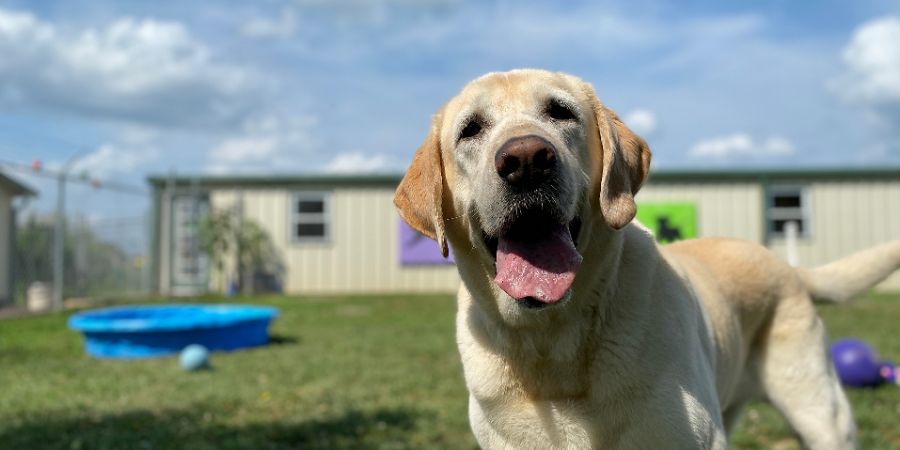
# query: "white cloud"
{"points": [[135, 134], [700, 39], [265, 144], [872, 80], [357, 162], [282, 26], [115, 159], [146, 70], [873, 63], [237, 150], [741, 145], [532, 34], [278, 143], [373, 11], [641, 121]]}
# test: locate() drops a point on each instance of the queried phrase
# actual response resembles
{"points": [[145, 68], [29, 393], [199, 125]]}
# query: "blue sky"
{"points": [[349, 85]]}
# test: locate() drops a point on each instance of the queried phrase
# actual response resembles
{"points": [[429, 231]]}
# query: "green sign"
{"points": [[670, 222]]}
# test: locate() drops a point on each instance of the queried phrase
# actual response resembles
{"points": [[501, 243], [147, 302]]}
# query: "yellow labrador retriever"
{"points": [[575, 329]]}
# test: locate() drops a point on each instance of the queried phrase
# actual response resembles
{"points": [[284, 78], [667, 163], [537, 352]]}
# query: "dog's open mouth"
{"points": [[536, 259]]}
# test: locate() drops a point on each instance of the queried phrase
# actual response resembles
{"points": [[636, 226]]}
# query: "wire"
{"points": [[55, 174]]}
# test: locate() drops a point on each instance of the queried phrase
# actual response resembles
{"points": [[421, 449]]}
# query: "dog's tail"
{"points": [[844, 279]]}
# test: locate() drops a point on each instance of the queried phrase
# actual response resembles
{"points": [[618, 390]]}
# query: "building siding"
{"points": [[846, 215], [362, 254], [723, 209], [164, 256], [5, 249]]}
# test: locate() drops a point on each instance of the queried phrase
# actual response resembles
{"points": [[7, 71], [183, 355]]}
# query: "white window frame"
{"points": [[295, 218], [788, 213]]}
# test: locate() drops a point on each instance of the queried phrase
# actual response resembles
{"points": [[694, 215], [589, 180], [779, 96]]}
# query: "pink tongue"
{"points": [[543, 268]]}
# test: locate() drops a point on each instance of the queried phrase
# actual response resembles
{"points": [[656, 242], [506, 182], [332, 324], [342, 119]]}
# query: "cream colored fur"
{"points": [[656, 347]]}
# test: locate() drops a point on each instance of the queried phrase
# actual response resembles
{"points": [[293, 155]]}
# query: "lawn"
{"points": [[377, 372]]}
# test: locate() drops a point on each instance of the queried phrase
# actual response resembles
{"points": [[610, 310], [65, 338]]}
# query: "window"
{"points": [[787, 204], [310, 217]]}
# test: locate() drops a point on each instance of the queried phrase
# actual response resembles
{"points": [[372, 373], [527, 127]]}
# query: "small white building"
{"points": [[9, 190], [341, 234]]}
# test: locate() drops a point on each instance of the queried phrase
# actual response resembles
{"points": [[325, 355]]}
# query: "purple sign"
{"points": [[417, 249]]}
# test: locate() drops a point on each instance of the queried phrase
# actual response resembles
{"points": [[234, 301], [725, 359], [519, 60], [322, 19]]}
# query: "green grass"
{"points": [[345, 373], [877, 411]]}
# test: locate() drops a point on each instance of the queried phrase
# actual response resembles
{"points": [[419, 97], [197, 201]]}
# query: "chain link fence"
{"points": [[104, 247]]}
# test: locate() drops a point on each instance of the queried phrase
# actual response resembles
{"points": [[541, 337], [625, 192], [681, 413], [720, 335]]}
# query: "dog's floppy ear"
{"points": [[623, 166], [419, 198]]}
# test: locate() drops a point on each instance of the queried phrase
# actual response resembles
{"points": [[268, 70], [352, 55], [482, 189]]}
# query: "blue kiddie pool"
{"points": [[149, 331]]}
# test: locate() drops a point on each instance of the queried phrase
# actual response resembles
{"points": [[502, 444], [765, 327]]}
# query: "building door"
{"points": [[190, 266]]}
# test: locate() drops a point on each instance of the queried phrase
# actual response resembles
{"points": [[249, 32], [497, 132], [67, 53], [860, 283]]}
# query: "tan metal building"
{"points": [[9, 190], [341, 234]]}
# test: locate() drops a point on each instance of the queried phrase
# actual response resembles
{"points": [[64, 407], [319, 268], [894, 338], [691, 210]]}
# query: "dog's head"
{"points": [[512, 168]]}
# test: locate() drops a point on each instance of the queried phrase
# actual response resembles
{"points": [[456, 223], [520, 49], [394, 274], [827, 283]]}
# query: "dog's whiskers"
{"points": [[459, 216]]}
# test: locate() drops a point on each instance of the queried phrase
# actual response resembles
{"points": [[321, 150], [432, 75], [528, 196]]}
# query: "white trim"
{"points": [[295, 217], [801, 214]]}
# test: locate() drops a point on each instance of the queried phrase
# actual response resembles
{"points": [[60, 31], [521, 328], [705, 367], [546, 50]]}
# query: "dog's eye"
{"points": [[558, 111], [471, 129]]}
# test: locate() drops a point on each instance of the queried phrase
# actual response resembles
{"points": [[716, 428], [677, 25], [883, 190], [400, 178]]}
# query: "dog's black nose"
{"points": [[526, 161]]}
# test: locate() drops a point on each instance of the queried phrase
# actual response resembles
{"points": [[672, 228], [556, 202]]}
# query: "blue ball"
{"points": [[856, 363], [194, 357]]}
